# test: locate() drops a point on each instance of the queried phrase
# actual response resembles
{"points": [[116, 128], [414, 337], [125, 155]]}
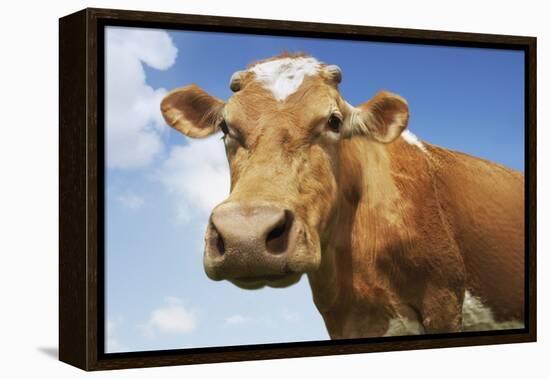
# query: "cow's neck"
{"points": [[369, 220]]}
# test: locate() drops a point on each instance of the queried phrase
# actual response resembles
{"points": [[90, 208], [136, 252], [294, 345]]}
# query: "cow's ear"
{"points": [[383, 117], [192, 111]]}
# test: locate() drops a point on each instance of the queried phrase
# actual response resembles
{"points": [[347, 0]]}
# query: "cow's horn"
{"points": [[235, 81], [334, 73]]}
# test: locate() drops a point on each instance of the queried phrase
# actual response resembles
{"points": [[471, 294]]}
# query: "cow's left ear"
{"points": [[383, 117]]}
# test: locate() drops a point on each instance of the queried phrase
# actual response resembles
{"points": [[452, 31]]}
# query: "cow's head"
{"points": [[282, 131]]}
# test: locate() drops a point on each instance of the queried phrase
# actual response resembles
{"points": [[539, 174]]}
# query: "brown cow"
{"points": [[397, 236]]}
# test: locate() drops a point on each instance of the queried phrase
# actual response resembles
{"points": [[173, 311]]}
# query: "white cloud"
{"points": [[112, 344], [237, 320], [266, 320], [171, 318], [197, 175], [134, 123], [290, 316], [131, 201]]}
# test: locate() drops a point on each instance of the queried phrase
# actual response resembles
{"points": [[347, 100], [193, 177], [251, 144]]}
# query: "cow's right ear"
{"points": [[192, 111]]}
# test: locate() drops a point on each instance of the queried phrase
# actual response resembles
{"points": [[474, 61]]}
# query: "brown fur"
{"points": [[418, 230], [393, 231]]}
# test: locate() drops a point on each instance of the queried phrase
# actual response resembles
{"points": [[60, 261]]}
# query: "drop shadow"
{"points": [[50, 351]]}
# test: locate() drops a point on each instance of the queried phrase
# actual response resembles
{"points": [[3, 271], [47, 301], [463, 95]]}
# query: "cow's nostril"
{"points": [[277, 239], [220, 245]]}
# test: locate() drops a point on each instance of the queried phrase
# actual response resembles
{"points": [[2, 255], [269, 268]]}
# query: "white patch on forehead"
{"points": [[284, 76], [411, 139], [476, 316]]}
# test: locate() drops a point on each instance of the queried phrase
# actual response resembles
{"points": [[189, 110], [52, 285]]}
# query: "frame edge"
{"points": [[73, 299], [407, 35], [78, 196], [531, 130]]}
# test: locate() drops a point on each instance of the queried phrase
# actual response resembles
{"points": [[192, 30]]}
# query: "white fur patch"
{"points": [[403, 326], [411, 139], [476, 316], [284, 76]]}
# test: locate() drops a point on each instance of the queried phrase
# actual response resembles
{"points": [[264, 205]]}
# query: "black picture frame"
{"points": [[81, 184]]}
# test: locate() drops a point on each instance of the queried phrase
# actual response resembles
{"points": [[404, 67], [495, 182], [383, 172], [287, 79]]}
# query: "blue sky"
{"points": [[160, 185]]}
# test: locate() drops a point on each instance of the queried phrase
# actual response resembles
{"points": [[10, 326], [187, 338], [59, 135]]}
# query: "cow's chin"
{"points": [[280, 281]]}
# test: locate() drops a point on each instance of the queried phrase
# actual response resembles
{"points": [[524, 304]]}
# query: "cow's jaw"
{"points": [[276, 281]]}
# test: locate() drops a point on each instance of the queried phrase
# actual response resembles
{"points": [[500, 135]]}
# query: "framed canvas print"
{"points": [[238, 189]]}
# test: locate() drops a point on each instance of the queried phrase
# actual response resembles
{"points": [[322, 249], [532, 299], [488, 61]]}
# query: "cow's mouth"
{"points": [[275, 281]]}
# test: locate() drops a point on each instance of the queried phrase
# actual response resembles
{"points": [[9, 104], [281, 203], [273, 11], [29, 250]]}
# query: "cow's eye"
{"points": [[334, 123], [224, 128]]}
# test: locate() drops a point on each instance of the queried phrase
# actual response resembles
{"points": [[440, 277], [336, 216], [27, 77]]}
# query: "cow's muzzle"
{"points": [[253, 245]]}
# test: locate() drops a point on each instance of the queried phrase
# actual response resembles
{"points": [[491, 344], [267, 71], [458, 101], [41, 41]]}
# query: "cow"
{"points": [[396, 235]]}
